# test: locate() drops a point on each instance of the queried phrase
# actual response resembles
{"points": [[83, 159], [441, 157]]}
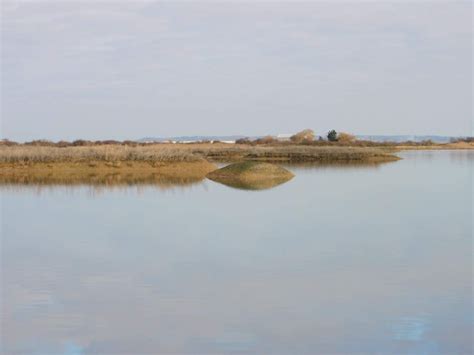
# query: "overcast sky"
{"points": [[125, 70]]}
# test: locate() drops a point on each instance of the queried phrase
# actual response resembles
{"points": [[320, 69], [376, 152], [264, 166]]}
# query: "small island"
{"points": [[251, 175]]}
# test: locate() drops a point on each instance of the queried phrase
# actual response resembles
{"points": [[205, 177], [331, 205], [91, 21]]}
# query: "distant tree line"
{"points": [[304, 137]]}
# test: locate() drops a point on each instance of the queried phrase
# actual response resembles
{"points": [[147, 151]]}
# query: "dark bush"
{"points": [[243, 141], [332, 136], [63, 144], [81, 143], [265, 140], [7, 142]]}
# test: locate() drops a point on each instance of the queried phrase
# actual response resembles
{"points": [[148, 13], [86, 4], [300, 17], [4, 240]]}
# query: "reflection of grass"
{"points": [[339, 164], [95, 179], [101, 173], [251, 175]]}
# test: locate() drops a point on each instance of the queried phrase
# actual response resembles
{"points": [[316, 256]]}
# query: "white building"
{"points": [[283, 136]]}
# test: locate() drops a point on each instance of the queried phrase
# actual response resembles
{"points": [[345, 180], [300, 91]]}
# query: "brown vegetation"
{"points": [[345, 137], [293, 153], [306, 135], [22, 155], [85, 153]]}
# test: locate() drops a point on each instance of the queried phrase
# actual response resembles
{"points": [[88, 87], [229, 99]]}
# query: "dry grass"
{"points": [[171, 153], [290, 153], [102, 153]]}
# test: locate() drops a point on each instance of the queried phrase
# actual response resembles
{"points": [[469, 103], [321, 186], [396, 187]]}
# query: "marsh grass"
{"points": [[101, 153], [119, 155], [295, 153]]}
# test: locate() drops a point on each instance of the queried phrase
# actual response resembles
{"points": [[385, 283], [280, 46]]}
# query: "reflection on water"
{"points": [[99, 180], [263, 184], [336, 261], [353, 164], [108, 180]]}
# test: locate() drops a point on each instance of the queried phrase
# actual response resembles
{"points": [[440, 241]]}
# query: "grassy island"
{"points": [[251, 175]]}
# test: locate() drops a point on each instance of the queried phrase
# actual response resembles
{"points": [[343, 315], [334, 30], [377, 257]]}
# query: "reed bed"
{"points": [[293, 153], [163, 153], [107, 153]]}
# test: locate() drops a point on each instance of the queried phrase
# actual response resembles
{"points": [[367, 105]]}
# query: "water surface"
{"points": [[340, 260]]}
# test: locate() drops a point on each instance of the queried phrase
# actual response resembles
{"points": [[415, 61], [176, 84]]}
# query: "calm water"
{"points": [[339, 260]]}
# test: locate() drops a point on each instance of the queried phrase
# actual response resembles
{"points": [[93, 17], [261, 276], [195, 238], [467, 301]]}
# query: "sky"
{"points": [[126, 70]]}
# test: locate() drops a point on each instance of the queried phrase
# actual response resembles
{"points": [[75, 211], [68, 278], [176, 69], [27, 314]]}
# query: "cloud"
{"points": [[397, 67]]}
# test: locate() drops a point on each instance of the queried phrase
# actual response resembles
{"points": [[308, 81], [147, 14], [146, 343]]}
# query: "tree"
{"points": [[332, 136], [306, 135]]}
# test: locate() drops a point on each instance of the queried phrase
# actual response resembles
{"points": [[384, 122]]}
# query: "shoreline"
{"points": [[447, 146]]}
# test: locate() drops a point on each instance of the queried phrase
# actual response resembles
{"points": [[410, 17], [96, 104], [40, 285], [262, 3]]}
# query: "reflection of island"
{"points": [[253, 185], [251, 175]]}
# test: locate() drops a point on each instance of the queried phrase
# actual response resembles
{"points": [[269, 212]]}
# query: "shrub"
{"points": [[426, 142], [345, 137], [266, 140], [243, 141], [40, 143], [130, 143], [306, 135], [332, 136], [63, 144], [462, 139], [108, 142], [81, 143], [8, 143]]}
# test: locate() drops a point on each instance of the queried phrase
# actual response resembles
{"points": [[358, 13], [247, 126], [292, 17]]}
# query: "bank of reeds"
{"points": [[107, 153], [163, 153], [292, 153]]}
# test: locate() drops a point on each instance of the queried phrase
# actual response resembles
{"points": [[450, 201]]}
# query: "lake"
{"points": [[339, 260]]}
